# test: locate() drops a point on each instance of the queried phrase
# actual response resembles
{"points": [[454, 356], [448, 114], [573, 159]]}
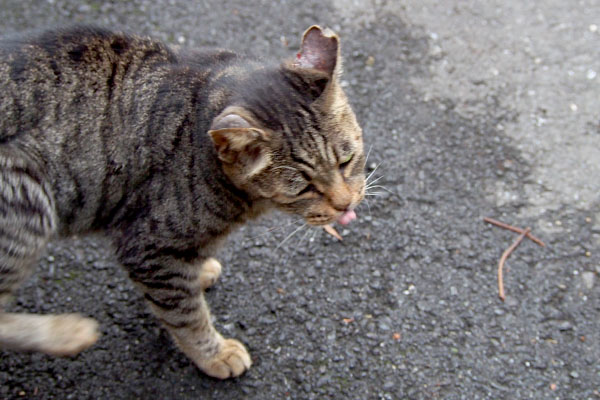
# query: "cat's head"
{"points": [[290, 136]]}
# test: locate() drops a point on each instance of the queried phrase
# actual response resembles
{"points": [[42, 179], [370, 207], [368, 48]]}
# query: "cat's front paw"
{"points": [[233, 360], [210, 272]]}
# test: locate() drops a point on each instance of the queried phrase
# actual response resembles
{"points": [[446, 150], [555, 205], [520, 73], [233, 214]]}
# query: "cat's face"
{"points": [[295, 139]]}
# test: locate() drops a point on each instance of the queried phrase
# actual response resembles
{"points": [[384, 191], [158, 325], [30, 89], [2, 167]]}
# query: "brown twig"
{"points": [[514, 229], [503, 260], [331, 230]]}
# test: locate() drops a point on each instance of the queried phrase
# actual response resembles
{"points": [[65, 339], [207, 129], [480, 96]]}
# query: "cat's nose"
{"points": [[341, 201], [339, 195], [343, 208]]}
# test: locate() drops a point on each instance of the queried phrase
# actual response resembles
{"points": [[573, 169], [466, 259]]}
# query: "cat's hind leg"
{"points": [[27, 221], [57, 335], [174, 290]]}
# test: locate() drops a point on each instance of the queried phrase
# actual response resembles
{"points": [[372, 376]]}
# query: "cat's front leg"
{"points": [[210, 270], [198, 339], [175, 291]]}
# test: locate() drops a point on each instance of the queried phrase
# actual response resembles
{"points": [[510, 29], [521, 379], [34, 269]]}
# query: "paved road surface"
{"points": [[470, 109]]}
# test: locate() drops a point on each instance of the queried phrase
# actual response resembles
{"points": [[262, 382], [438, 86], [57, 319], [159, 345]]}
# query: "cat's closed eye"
{"points": [[345, 161], [310, 188]]}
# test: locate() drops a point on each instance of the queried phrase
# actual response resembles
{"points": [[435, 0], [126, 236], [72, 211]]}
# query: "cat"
{"points": [[164, 151]]}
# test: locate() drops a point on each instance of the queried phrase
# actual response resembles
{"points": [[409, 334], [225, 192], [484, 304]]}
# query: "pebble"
{"points": [[574, 374], [384, 327], [591, 74], [589, 279], [324, 380], [565, 326], [101, 265], [511, 302], [424, 306], [388, 385], [267, 320]]}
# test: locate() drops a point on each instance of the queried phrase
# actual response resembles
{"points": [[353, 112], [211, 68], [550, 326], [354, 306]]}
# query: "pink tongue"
{"points": [[347, 217]]}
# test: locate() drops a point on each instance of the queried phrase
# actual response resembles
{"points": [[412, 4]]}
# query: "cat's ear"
{"points": [[231, 118], [318, 63], [240, 145], [320, 50]]}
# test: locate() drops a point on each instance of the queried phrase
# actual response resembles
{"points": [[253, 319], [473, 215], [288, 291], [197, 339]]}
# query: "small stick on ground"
{"points": [[331, 230], [514, 229], [503, 260]]}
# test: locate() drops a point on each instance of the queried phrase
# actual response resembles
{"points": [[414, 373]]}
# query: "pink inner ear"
{"points": [[318, 51]]}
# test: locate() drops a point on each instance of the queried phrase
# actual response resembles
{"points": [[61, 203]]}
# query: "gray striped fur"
{"points": [[165, 152]]}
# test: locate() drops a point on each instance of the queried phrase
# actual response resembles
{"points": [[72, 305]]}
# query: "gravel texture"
{"points": [[470, 109]]}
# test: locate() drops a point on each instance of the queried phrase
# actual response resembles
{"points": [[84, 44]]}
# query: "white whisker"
{"points": [[366, 201], [369, 184], [290, 235], [303, 237], [312, 237], [381, 187], [274, 229], [299, 244], [368, 153], [372, 172]]}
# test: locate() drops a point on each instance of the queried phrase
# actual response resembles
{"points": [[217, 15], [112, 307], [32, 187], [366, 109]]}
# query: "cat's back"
{"points": [[63, 54], [47, 79], [89, 106]]}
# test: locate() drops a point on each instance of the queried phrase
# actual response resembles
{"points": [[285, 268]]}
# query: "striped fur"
{"points": [[165, 152]]}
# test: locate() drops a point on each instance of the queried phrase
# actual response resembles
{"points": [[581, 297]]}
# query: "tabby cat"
{"points": [[165, 151]]}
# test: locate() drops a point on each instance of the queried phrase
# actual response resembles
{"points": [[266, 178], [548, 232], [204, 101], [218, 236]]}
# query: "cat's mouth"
{"points": [[347, 217], [343, 218]]}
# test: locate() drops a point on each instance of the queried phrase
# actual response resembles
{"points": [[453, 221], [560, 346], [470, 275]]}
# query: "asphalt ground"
{"points": [[469, 109]]}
